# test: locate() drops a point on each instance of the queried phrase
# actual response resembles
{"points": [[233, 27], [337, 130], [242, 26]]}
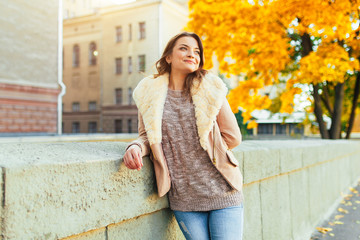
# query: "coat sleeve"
{"points": [[142, 141], [228, 126]]}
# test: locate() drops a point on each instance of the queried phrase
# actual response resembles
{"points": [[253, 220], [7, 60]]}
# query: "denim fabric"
{"points": [[222, 224]]}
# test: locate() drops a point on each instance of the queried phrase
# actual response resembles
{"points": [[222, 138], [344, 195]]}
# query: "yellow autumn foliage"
{"points": [[287, 100], [255, 38], [329, 63], [247, 93]]}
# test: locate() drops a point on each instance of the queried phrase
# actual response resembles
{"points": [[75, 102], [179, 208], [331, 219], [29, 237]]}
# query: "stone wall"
{"points": [[83, 191]]}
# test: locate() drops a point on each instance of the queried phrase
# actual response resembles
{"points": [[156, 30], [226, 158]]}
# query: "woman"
{"points": [[187, 127]]}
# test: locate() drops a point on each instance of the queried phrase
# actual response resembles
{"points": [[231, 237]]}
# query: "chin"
{"points": [[191, 70]]}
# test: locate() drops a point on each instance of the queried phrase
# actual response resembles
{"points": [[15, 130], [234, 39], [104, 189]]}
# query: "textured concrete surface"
{"points": [[97, 234], [122, 137], [255, 156], [147, 227], [299, 204], [81, 190], [275, 208], [63, 189], [252, 212]]}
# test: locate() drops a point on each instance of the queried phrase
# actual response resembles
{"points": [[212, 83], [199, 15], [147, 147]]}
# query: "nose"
{"points": [[191, 54]]}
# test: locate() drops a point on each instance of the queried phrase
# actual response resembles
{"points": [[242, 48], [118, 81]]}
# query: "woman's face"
{"points": [[185, 56]]}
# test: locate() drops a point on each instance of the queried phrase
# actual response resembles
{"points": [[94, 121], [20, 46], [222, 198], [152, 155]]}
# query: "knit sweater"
{"points": [[196, 185]]}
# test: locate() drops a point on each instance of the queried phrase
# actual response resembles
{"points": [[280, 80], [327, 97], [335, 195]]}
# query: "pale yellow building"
{"points": [[78, 8], [81, 74], [126, 41]]}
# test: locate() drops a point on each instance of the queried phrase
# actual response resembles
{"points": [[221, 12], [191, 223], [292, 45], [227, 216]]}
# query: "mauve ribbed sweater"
{"points": [[196, 185]]}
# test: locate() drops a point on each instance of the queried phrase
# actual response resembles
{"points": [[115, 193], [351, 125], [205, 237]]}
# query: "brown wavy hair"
{"points": [[163, 66]]}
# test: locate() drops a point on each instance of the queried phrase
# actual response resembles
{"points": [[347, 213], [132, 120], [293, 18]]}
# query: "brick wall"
{"points": [[27, 109]]}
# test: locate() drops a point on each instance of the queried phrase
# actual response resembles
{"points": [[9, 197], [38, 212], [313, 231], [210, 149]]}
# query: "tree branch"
{"points": [[335, 129], [325, 99], [354, 105], [318, 113]]}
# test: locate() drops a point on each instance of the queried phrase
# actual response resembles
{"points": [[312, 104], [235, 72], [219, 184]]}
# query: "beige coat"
{"points": [[214, 120]]}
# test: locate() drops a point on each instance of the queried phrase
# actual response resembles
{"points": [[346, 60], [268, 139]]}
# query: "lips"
{"points": [[189, 61]]}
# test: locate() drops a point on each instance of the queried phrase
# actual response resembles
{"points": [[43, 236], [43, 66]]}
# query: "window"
{"points": [[76, 55], [75, 127], [92, 54], [76, 107], [280, 128], [141, 63], [129, 65], [92, 127], [265, 128], [118, 65], [130, 95], [130, 32], [118, 126], [118, 96], [129, 126], [118, 34], [142, 30], [92, 106], [296, 129]]}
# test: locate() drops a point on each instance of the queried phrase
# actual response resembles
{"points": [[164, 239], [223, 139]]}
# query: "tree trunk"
{"points": [[326, 98], [319, 113], [354, 105], [335, 130], [306, 44]]}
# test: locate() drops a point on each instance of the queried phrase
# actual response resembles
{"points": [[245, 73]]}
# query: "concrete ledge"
{"points": [[82, 191]]}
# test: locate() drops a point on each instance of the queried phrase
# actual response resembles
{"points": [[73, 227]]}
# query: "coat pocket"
{"points": [[232, 158]]}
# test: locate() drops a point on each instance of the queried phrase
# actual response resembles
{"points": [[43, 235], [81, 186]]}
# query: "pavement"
{"points": [[344, 222]]}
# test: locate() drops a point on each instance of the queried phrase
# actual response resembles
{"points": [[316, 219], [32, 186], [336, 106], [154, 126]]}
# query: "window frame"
{"points": [[118, 65], [92, 106], [75, 107], [118, 34], [142, 63], [76, 56], [118, 97], [92, 54], [142, 30]]}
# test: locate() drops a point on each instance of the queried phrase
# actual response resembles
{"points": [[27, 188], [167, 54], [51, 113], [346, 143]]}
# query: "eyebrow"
{"points": [[188, 46]]}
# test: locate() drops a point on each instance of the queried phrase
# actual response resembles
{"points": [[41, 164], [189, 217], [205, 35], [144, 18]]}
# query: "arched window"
{"points": [[76, 55], [92, 54]]}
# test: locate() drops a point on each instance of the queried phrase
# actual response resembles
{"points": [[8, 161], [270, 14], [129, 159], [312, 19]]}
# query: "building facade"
{"points": [[28, 66], [81, 74], [106, 54], [78, 8]]}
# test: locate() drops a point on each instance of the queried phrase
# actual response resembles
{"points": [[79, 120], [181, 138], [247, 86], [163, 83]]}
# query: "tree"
{"points": [[296, 42]]}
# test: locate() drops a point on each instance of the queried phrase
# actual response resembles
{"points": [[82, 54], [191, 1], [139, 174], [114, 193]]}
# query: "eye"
{"points": [[197, 52], [182, 48]]}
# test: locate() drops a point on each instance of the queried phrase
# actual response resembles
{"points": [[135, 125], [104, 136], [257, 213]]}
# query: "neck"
{"points": [[177, 81]]}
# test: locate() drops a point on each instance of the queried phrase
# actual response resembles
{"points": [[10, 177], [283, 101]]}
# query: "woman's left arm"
{"points": [[228, 125]]}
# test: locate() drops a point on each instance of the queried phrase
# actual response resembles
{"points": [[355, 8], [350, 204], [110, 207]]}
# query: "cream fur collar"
{"points": [[150, 95]]}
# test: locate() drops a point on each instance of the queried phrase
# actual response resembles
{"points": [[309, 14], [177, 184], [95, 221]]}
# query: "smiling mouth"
{"points": [[189, 61]]}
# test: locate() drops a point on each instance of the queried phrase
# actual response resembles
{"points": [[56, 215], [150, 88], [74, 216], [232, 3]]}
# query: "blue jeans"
{"points": [[224, 224]]}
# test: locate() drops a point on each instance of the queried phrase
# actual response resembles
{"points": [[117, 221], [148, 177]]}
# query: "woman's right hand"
{"points": [[132, 157]]}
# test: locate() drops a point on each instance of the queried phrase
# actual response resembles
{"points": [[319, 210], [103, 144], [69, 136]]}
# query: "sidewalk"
{"points": [[344, 223]]}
